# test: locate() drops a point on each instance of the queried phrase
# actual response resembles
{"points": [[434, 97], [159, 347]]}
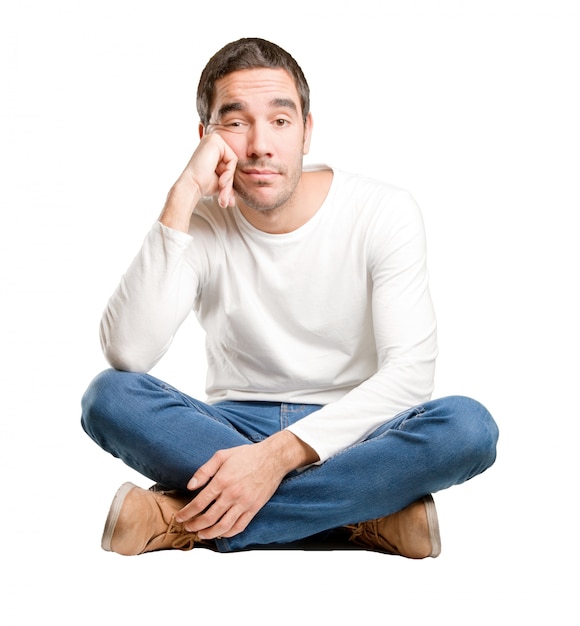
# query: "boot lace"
{"points": [[367, 534], [364, 530], [178, 537]]}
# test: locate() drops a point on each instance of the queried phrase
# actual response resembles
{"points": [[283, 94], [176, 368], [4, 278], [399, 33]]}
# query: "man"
{"points": [[311, 286]]}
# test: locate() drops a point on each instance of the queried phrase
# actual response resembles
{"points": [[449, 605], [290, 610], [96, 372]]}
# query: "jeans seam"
{"points": [[415, 412], [190, 402], [284, 421], [200, 408]]}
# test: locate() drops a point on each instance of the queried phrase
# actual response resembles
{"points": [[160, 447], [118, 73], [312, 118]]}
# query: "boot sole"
{"points": [[114, 513], [433, 523]]}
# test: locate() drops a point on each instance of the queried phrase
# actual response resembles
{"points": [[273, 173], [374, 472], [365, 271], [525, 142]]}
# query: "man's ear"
{"points": [[307, 133], [201, 130]]}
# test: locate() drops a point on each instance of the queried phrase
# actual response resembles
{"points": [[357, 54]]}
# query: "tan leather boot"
{"points": [[412, 532], [143, 521]]}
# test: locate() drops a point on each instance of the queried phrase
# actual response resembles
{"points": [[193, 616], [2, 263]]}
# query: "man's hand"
{"points": [[237, 482], [210, 171]]}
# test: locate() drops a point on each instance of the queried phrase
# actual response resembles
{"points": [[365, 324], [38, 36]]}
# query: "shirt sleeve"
{"points": [[152, 300], [405, 334]]}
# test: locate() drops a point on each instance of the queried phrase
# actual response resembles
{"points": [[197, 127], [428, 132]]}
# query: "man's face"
{"points": [[258, 114]]}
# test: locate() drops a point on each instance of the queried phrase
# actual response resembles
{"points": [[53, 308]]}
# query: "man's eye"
{"points": [[281, 123], [235, 126]]}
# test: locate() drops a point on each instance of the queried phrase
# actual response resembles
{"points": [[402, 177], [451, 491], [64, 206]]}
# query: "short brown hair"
{"points": [[246, 54]]}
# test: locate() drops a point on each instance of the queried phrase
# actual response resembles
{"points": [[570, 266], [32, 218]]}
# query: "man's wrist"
{"points": [[181, 201], [290, 451]]}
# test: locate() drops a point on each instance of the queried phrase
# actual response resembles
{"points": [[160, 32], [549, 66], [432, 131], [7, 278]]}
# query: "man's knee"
{"points": [[475, 430], [100, 401]]}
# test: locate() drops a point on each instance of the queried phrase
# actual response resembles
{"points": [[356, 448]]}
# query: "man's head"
{"points": [[248, 53], [255, 97]]}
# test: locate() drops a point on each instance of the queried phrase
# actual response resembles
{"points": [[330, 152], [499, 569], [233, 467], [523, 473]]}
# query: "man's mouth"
{"points": [[260, 176], [259, 172]]}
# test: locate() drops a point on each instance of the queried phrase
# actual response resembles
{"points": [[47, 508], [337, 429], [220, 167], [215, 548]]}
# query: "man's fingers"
{"points": [[216, 522], [226, 192], [197, 506], [226, 171], [240, 525], [234, 521], [207, 517], [207, 471]]}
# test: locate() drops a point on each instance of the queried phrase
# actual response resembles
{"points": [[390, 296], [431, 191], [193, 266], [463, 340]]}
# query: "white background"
{"points": [[473, 107]]}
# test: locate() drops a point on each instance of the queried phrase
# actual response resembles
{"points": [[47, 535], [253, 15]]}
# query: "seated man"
{"points": [[311, 286]]}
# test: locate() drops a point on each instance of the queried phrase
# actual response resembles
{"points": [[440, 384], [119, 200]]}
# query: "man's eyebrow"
{"points": [[284, 103], [228, 107], [276, 103]]}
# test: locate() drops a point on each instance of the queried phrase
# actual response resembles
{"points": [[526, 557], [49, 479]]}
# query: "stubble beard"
{"points": [[253, 201]]}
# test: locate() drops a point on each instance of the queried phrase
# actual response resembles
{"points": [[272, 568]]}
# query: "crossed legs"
{"points": [[166, 435]]}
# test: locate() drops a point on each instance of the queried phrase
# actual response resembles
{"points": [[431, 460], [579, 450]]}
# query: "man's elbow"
{"points": [[128, 360]]}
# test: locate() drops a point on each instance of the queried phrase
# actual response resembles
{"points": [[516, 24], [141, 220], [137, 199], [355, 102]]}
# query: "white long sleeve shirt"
{"points": [[337, 312]]}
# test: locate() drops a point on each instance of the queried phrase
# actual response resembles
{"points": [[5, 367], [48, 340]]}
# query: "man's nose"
{"points": [[259, 141]]}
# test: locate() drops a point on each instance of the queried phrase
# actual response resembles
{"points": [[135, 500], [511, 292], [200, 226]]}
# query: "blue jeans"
{"points": [[166, 435]]}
